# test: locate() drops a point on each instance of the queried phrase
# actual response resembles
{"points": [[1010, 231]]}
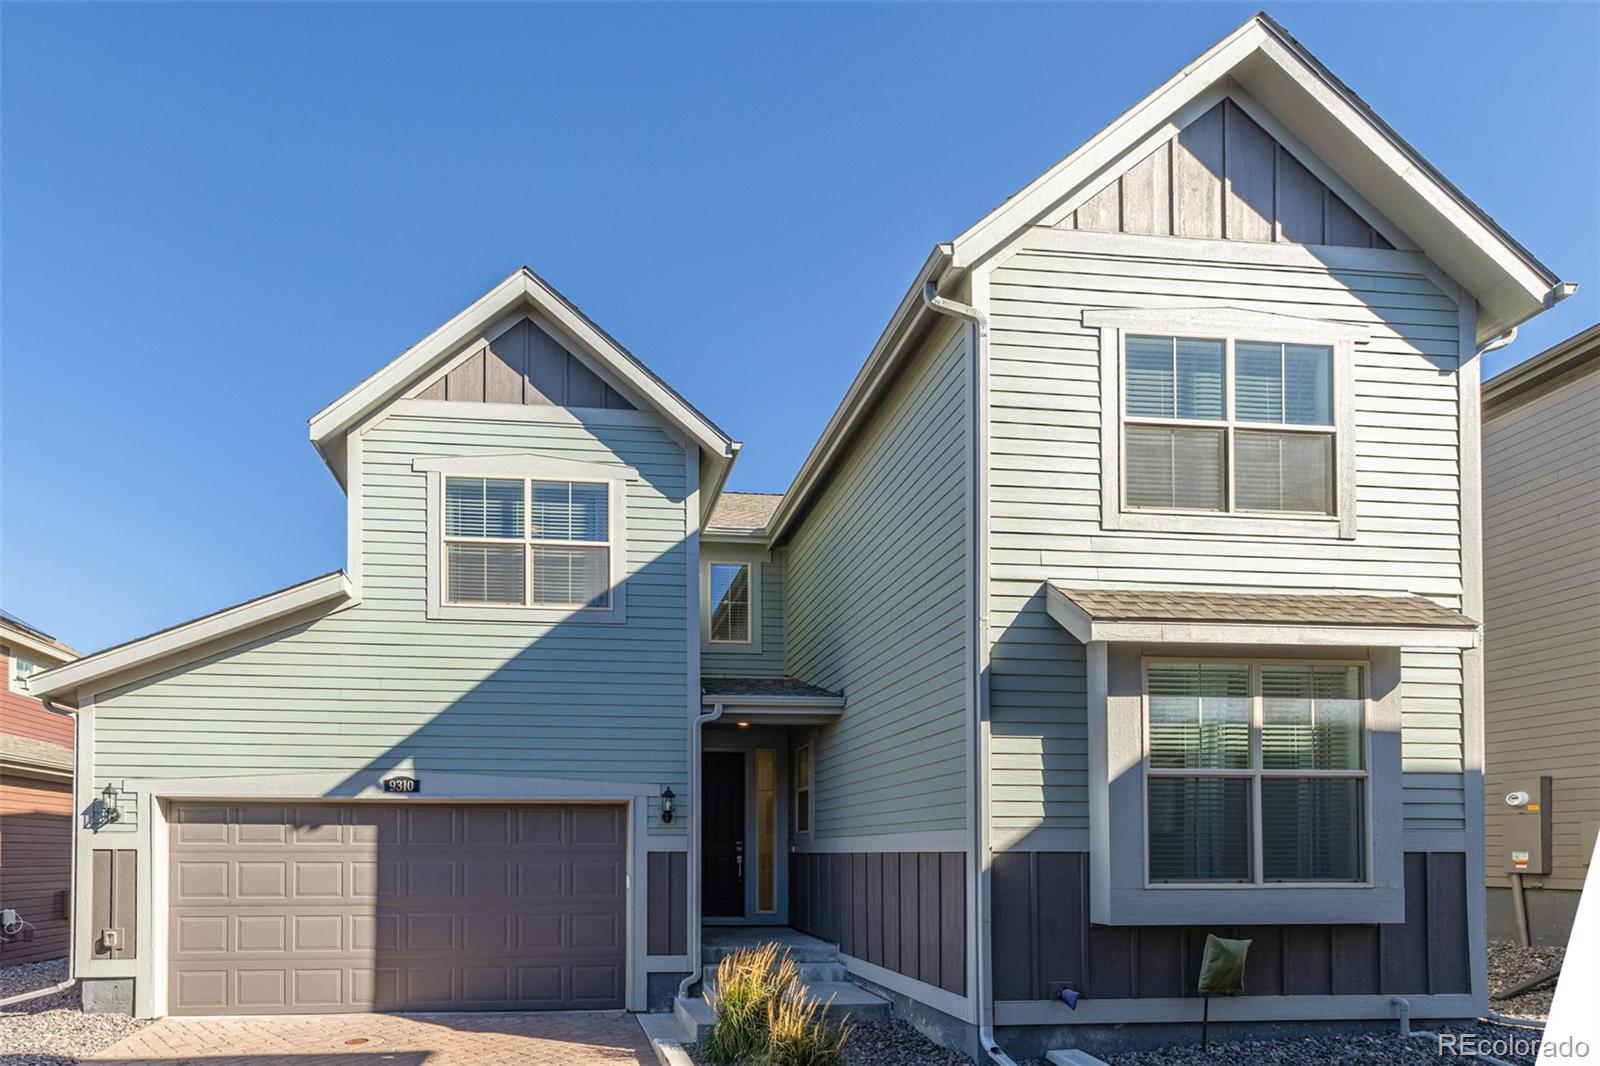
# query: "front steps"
{"points": [[821, 972]]}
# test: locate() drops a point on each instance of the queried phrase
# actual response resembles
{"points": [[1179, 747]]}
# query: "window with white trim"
{"points": [[1228, 426], [1256, 773], [22, 668], [527, 542], [730, 603], [802, 789]]}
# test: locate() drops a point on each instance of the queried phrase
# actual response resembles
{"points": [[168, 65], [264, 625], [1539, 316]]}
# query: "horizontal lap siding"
{"points": [[769, 662], [1541, 546], [379, 683], [876, 604], [35, 863], [1045, 501]]}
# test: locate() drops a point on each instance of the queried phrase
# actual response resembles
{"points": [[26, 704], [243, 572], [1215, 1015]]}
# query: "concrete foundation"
{"points": [[107, 995], [1550, 915]]}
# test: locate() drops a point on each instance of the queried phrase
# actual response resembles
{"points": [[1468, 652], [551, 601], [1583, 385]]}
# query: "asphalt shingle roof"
{"points": [[1142, 605], [744, 510], [762, 686]]}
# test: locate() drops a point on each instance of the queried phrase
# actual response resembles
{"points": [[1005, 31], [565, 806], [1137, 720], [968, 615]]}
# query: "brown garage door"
{"points": [[298, 909]]}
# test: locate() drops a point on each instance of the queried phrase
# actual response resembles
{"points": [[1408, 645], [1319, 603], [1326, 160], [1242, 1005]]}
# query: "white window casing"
{"points": [[510, 553], [720, 638], [1218, 426], [22, 668]]}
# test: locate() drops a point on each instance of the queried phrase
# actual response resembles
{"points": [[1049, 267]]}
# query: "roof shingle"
{"points": [[763, 686], [1147, 605], [744, 510]]}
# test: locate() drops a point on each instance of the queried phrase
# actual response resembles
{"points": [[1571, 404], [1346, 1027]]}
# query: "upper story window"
{"points": [[1256, 773], [730, 603], [527, 543], [526, 537], [1228, 426], [22, 668]]}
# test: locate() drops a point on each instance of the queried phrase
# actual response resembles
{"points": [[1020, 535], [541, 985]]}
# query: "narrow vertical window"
{"points": [[802, 789], [766, 829], [730, 603]]}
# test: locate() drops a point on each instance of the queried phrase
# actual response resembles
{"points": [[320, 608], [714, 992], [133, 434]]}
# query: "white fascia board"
{"points": [[1508, 282], [1106, 147], [334, 588], [43, 649], [522, 288], [859, 399]]}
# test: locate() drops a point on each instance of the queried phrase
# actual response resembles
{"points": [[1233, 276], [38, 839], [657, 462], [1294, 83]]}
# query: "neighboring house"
{"points": [[35, 799], [1541, 558], [1130, 594]]}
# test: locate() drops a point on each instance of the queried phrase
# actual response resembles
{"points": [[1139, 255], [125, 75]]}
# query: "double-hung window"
{"points": [[22, 668], [1256, 773], [527, 542], [1228, 426]]}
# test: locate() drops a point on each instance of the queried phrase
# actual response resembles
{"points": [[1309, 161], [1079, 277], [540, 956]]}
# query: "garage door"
{"points": [[324, 908]]}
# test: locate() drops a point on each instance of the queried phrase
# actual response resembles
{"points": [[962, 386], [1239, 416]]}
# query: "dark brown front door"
{"points": [[722, 849]]}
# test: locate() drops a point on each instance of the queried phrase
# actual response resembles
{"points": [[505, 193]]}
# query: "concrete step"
{"points": [[809, 971], [695, 1015], [800, 949], [846, 1000]]}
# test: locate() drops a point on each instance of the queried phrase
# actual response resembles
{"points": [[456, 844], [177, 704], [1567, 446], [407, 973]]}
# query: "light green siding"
{"points": [[723, 661], [379, 683], [877, 607], [1045, 500]]}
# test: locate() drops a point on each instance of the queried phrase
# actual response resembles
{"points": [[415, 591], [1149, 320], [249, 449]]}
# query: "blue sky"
{"points": [[217, 218]]}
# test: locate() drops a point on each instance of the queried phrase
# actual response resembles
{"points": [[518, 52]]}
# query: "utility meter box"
{"points": [[1526, 830]]}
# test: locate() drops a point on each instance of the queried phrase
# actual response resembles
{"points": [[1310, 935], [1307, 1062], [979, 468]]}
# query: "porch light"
{"points": [[109, 811], [744, 725], [667, 799]]}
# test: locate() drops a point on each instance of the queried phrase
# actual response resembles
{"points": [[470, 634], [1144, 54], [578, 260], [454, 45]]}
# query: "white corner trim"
{"points": [[334, 589], [526, 465], [1227, 321]]}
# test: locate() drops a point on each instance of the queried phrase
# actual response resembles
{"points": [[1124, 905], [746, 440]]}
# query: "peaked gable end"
{"points": [[523, 364], [1224, 177]]}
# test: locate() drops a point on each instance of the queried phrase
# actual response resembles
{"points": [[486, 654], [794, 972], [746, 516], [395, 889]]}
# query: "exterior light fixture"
{"points": [[109, 811], [744, 725], [667, 804]]}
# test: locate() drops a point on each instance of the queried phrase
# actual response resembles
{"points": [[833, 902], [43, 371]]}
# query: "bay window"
{"points": [[1256, 773]]}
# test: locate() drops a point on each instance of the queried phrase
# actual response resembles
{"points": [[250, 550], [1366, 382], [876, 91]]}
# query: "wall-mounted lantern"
{"points": [[109, 811], [667, 802]]}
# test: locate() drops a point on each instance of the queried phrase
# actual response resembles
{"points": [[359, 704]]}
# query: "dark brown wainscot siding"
{"points": [[1043, 941], [666, 931], [904, 911]]}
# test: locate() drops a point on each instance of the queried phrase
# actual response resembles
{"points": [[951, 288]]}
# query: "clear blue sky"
{"points": [[217, 218]]}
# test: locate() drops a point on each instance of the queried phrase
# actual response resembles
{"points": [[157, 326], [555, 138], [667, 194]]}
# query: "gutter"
{"points": [[978, 325], [692, 873]]}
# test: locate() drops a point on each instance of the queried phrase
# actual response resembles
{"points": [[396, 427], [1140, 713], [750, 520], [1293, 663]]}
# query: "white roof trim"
{"points": [[1085, 628], [334, 588], [1508, 282], [522, 288], [44, 649]]}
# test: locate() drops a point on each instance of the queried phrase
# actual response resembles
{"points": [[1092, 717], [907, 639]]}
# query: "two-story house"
{"points": [[1130, 594]]}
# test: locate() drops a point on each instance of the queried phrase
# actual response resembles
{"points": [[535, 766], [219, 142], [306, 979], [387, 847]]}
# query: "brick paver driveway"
{"points": [[576, 1038]]}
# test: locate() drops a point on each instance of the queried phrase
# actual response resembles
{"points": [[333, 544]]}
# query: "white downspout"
{"points": [[1496, 343], [692, 871], [978, 325]]}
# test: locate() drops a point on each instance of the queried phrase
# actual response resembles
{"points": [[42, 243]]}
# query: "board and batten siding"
{"points": [[1541, 547], [1044, 501], [877, 607], [720, 661], [380, 686]]}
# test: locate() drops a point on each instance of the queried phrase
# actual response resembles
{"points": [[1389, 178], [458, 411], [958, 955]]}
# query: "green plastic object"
{"points": [[1222, 966]]}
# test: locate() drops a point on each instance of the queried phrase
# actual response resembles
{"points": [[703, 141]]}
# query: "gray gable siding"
{"points": [[1045, 496], [877, 607], [379, 683], [1541, 546], [769, 661]]}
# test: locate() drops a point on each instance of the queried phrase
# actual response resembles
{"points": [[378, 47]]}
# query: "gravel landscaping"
{"points": [[54, 1031], [890, 1043], [1517, 1046], [15, 980], [1510, 963]]}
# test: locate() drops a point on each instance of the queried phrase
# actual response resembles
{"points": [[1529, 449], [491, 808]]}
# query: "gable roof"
{"points": [[743, 512], [1309, 103], [14, 632], [522, 290]]}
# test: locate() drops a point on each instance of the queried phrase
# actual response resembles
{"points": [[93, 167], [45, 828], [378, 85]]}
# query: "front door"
{"points": [[722, 836]]}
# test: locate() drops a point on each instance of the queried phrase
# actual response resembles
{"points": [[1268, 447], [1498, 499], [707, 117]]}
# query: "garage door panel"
{"points": [[359, 908]]}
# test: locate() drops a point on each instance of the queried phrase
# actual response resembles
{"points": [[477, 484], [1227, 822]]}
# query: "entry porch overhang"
{"points": [[773, 701], [1169, 616]]}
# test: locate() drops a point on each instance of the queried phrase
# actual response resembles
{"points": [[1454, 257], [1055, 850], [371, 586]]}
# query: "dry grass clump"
{"points": [[765, 1017]]}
